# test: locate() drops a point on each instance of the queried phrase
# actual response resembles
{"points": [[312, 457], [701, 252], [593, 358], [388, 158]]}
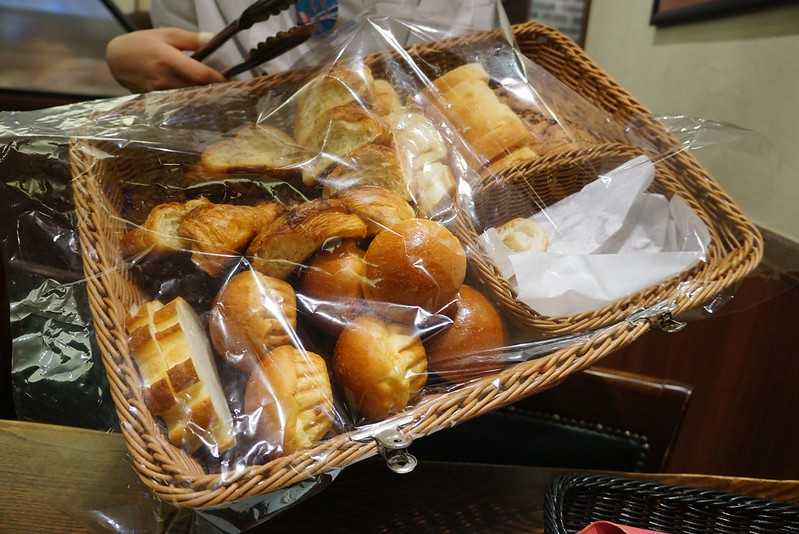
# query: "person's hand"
{"points": [[151, 60]]}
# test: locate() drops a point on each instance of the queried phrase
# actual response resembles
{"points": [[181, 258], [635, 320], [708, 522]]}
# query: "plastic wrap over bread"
{"points": [[419, 230]]}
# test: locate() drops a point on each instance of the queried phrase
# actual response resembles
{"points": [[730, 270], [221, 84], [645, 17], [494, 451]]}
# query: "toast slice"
{"points": [[370, 164], [339, 86], [170, 347], [159, 396], [254, 149], [341, 131]]}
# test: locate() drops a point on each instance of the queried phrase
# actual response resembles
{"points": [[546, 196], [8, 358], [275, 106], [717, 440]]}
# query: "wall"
{"points": [[741, 69], [565, 15], [130, 5]]}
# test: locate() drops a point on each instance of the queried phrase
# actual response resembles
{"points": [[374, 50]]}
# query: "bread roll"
{"points": [[476, 327], [380, 365], [434, 189], [489, 127], [379, 208], [335, 274], [159, 233], [423, 156], [464, 73], [520, 155], [333, 280], [386, 100], [288, 400], [523, 235], [298, 233], [256, 148], [216, 233], [371, 164], [252, 314], [416, 262]]}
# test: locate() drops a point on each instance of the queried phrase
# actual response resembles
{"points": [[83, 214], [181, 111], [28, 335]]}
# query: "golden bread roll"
{"points": [[159, 233], [341, 131], [215, 232], [333, 279], [464, 73], [522, 235], [294, 236], [288, 400], [380, 365], [339, 86], [370, 164], [337, 273], [252, 314], [256, 148], [386, 100], [520, 155], [476, 327], [489, 127], [379, 208], [416, 262]]}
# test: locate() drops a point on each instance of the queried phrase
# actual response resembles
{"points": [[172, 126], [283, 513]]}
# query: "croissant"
{"points": [[256, 148], [378, 207], [213, 232], [159, 232], [300, 232]]}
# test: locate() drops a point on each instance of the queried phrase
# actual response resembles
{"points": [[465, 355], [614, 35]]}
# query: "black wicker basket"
{"points": [[572, 502]]}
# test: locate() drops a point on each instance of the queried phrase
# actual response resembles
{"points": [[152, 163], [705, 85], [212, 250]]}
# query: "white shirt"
{"points": [[451, 16]]}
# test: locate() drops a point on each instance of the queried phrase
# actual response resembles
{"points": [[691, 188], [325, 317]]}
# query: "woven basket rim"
{"points": [[562, 486]]}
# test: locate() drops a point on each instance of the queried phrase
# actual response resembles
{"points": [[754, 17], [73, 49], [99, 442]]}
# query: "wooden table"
{"points": [[60, 479]]}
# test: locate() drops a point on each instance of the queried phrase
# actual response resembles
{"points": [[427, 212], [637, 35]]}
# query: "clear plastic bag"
{"points": [[285, 270]]}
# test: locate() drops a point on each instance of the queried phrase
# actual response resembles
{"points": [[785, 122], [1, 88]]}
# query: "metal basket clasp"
{"points": [[659, 316], [392, 443]]}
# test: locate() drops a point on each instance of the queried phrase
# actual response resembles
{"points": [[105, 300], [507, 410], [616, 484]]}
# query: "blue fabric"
{"points": [[323, 12]]}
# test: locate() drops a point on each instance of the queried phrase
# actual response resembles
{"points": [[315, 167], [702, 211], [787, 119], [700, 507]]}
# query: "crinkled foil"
{"points": [[56, 372]]}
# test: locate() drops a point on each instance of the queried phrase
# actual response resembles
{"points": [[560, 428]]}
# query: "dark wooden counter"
{"points": [[61, 479]]}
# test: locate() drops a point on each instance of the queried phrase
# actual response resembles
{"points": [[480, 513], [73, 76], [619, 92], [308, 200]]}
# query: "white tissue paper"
{"points": [[607, 241]]}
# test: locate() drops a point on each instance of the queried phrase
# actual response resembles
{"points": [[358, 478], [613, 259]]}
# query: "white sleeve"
{"points": [[175, 13]]}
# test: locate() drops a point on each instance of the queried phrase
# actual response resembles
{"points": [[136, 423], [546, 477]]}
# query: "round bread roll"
{"points": [[252, 314], [522, 235], [336, 273], [416, 262], [289, 400], [333, 280], [477, 326], [380, 365]]}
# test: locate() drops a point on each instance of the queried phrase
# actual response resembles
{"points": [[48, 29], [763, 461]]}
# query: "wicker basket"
{"points": [[572, 502], [177, 477], [524, 189]]}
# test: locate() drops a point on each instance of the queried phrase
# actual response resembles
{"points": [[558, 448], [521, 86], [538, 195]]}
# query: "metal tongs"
{"points": [[271, 48]]}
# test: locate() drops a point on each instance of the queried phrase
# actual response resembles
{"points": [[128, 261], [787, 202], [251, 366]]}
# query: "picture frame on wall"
{"points": [[670, 12]]}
